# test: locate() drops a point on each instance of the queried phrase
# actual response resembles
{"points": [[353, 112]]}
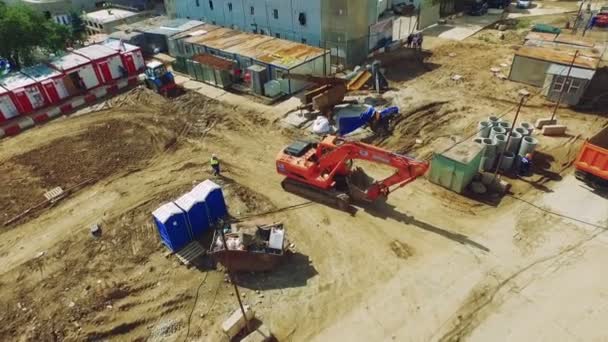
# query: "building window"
{"points": [[251, 10], [278, 35], [575, 85], [230, 6], [302, 18], [571, 85], [304, 41], [210, 4], [275, 13]]}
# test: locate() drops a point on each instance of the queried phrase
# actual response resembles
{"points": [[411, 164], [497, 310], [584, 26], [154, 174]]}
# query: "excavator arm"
{"points": [[407, 169]]}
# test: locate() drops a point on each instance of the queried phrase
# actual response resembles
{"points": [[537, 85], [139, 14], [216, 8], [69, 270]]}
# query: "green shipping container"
{"points": [[456, 168]]}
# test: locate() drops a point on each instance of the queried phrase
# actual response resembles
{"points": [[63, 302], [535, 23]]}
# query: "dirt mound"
{"points": [[101, 150]]}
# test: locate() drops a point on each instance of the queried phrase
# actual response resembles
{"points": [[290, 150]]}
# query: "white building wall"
{"points": [[115, 64], [87, 73]]}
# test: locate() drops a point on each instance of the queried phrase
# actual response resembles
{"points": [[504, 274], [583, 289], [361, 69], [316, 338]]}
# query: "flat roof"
{"points": [[465, 152], [69, 61], [562, 70], [278, 52], [162, 25], [571, 39], [109, 15], [584, 59], [16, 80], [115, 44], [196, 31], [40, 72], [96, 51]]}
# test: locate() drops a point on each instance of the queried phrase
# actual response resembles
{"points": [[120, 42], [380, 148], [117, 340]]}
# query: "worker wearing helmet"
{"points": [[215, 165], [525, 164]]}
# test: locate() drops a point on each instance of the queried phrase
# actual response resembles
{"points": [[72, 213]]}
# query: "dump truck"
{"points": [[592, 161]]}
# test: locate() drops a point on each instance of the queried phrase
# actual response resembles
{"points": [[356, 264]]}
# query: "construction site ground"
{"points": [[430, 265]]}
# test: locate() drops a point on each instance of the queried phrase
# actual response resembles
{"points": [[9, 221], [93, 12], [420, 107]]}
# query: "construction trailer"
{"points": [[568, 83], [531, 63], [131, 55], [51, 81], [274, 57], [79, 71], [8, 109], [106, 61], [455, 168], [26, 93]]}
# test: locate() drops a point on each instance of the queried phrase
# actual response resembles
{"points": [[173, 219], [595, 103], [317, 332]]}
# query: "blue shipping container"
{"points": [[196, 213], [213, 197], [172, 226]]}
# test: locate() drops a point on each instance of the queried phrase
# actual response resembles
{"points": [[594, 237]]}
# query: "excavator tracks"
{"points": [[337, 199]]}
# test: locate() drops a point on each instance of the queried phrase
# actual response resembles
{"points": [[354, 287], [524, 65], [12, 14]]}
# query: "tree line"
{"points": [[25, 33]]}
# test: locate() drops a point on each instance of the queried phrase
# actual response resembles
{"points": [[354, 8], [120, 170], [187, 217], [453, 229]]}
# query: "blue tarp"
{"points": [[348, 124]]}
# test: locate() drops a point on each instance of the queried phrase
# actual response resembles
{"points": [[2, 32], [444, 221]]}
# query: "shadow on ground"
{"points": [[294, 271], [385, 210]]}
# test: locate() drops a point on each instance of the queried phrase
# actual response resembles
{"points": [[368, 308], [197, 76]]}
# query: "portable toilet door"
{"points": [[51, 91], [22, 101], [129, 63], [213, 196], [196, 212], [172, 226]]}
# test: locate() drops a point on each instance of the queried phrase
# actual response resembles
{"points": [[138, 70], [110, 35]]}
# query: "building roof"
{"points": [[584, 59], [162, 25], [196, 31], [571, 39], [173, 27], [95, 52], [125, 35], [279, 52], [40, 72], [562, 70], [69, 61], [464, 153], [214, 61], [109, 15], [16, 80], [166, 211], [115, 44]]}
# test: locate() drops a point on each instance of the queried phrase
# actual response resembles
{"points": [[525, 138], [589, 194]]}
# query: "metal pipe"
{"points": [[561, 94], [501, 153]]}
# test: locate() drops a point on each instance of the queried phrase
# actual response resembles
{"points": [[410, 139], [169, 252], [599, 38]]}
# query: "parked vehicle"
{"points": [[524, 3], [601, 19], [592, 161], [159, 79], [499, 3], [479, 7]]}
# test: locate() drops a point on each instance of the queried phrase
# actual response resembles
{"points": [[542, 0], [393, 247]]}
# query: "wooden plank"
{"points": [[359, 81]]}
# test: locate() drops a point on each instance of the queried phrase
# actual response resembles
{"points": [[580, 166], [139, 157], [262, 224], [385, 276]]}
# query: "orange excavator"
{"points": [[324, 171]]}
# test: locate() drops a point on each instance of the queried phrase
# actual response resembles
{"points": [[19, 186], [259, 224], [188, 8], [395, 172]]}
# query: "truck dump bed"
{"points": [[593, 157]]}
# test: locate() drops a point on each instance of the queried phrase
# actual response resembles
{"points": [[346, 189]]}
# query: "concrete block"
{"points": [[554, 130], [544, 121], [25, 123], [236, 321], [261, 334]]}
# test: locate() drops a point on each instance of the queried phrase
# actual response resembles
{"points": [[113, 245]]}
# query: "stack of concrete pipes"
{"points": [[494, 134]]}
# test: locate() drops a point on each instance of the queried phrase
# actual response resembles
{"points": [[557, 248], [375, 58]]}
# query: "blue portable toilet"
{"points": [[196, 214], [213, 197], [172, 226]]}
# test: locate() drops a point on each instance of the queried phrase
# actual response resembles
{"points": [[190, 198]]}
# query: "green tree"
{"points": [[78, 28], [24, 31]]}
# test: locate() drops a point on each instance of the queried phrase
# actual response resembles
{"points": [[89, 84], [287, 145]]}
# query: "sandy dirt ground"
{"points": [[429, 265]]}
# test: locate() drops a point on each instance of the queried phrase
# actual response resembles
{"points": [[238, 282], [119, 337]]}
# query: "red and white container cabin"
{"points": [[50, 80], [131, 55], [8, 110], [107, 62], [26, 93], [79, 73]]}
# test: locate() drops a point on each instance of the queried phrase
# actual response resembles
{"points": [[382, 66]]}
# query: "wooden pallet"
{"points": [[192, 251], [53, 194]]}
